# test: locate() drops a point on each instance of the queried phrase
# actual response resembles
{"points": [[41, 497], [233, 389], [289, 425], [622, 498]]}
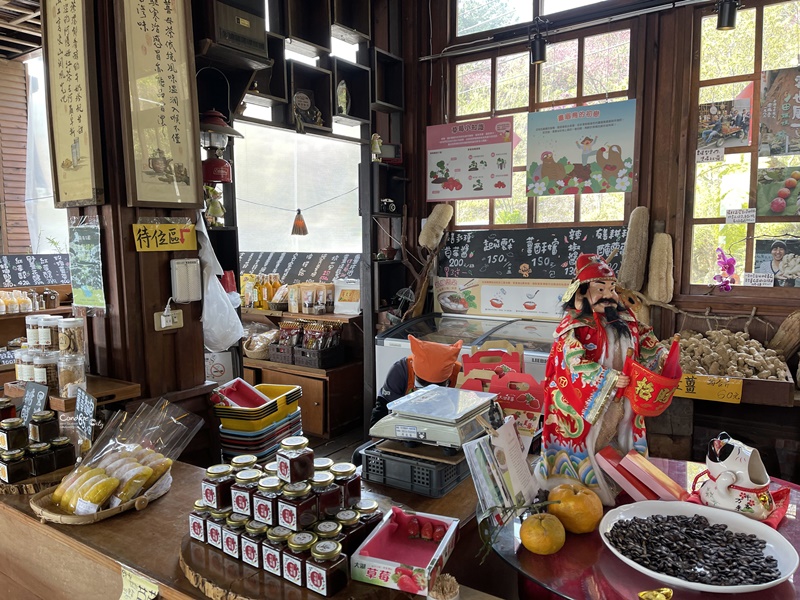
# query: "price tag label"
{"points": [[35, 400], [136, 586], [740, 215], [758, 279], [85, 405], [7, 357], [716, 389], [710, 155]]}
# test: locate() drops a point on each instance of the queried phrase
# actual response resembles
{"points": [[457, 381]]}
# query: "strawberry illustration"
{"points": [[406, 583]]}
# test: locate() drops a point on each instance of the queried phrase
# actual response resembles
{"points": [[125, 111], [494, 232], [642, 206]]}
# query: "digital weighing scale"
{"points": [[435, 415]]}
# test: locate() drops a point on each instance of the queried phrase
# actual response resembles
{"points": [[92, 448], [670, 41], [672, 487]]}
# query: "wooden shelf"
{"points": [[64, 310], [308, 26], [387, 77], [270, 84], [387, 215], [357, 80], [230, 35], [329, 317], [318, 82], [351, 20], [388, 181]]}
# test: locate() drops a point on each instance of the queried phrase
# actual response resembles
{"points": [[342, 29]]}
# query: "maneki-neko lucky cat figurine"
{"points": [[737, 480]]}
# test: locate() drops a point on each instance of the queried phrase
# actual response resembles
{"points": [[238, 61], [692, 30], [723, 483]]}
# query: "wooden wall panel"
{"points": [[13, 141]]}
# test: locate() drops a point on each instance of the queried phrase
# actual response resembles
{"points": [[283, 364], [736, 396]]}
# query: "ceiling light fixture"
{"points": [[538, 44], [726, 14]]}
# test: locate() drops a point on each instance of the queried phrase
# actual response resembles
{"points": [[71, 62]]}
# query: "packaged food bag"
{"points": [[348, 296]]}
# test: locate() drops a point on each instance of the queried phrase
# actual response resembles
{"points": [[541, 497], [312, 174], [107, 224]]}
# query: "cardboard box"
{"points": [[653, 477], [610, 461], [521, 396], [371, 563]]}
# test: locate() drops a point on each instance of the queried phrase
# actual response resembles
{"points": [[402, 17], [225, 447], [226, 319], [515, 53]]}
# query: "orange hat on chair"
{"points": [[434, 362]]}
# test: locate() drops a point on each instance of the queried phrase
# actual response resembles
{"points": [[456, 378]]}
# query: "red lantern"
{"points": [[214, 136]]}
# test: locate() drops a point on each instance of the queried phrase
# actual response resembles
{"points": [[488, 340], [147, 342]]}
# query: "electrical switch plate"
{"points": [[172, 320]]}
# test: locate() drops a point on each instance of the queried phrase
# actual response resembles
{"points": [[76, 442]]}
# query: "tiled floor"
{"points": [[339, 449]]}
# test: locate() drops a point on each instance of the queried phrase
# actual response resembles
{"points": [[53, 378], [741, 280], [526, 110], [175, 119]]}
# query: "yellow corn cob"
{"points": [[631, 270], [132, 481], [84, 487], [73, 487], [101, 491], [159, 467], [67, 481]]}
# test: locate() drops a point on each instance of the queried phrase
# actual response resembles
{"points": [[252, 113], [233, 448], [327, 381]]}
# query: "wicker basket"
{"points": [[281, 354], [257, 354]]}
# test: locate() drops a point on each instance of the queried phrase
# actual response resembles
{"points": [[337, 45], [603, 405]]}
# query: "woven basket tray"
{"points": [[257, 354]]}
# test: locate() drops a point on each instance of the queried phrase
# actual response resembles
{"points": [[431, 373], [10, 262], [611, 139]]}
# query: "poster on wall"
{"points": [[724, 124], [778, 193], [780, 112], [85, 263], [470, 160], [521, 298], [780, 258], [587, 149]]}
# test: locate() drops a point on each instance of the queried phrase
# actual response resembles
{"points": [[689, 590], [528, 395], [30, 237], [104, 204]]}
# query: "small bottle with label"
{"points": [[271, 469], [370, 514], [298, 551], [232, 534], [214, 524], [272, 549], [13, 434], [217, 486], [64, 451], [297, 506], [295, 460], [43, 459], [353, 530], [44, 426], [329, 494], [14, 466], [323, 464], [327, 570], [32, 330], [265, 500], [244, 461], [197, 521], [346, 476], [329, 530], [255, 532], [242, 491]]}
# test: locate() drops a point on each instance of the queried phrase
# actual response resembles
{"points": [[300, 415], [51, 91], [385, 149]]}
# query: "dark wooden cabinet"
{"points": [[352, 20]]}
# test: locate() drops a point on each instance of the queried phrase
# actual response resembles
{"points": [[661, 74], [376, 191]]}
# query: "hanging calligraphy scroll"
{"points": [[72, 107], [159, 103]]}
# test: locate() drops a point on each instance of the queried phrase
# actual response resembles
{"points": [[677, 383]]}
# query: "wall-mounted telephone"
{"points": [[187, 280]]}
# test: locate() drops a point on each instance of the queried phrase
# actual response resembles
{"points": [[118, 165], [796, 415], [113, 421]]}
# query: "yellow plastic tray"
{"points": [[278, 394]]}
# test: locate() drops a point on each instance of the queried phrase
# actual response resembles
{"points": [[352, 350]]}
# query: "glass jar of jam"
{"points": [[217, 486], [346, 476], [329, 530], [322, 464], [7, 409], [14, 467], [329, 494], [271, 469], [370, 514], [326, 570], [353, 530], [197, 521], [232, 534], [297, 506], [297, 552], [272, 549], [255, 532], [13, 434], [242, 491], [243, 461], [43, 426], [295, 460], [64, 450], [216, 520], [43, 459], [265, 500]]}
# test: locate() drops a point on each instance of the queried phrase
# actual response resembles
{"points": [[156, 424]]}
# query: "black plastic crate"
{"points": [[281, 354], [424, 477], [319, 359]]}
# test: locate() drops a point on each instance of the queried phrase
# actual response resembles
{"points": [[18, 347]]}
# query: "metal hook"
{"points": [[227, 83]]}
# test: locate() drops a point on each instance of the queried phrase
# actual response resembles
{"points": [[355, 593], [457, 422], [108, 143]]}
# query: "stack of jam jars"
{"points": [[32, 451], [298, 518]]}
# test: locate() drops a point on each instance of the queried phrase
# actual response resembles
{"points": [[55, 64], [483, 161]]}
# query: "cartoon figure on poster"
{"points": [[779, 131], [603, 161]]}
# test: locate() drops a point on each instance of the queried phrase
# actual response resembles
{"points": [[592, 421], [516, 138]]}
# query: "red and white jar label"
{"points": [[262, 510], [241, 502], [250, 553], [197, 528], [230, 543], [292, 569], [214, 533], [316, 579], [287, 516], [284, 469], [210, 495], [272, 560]]}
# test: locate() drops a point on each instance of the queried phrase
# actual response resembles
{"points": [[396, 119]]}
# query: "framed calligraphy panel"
{"points": [[72, 105], [159, 103]]}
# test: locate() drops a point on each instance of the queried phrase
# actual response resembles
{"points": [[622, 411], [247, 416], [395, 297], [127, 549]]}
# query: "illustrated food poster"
{"points": [[85, 263], [470, 160], [587, 149]]}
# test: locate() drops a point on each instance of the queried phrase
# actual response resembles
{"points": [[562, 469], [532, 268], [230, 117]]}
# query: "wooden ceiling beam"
{"points": [[20, 28], [5, 38], [26, 18]]}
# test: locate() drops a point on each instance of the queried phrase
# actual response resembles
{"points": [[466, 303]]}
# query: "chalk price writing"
{"points": [[34, 401], [495, 258], [85, 405]]}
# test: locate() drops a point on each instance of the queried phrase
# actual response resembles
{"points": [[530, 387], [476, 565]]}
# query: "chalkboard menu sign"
{"points": [[34, 269], [528, 253], [85, 405], [297, 267], [7, 357], [35, 400]]}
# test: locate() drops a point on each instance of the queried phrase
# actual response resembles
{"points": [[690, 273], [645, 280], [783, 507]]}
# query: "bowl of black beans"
{"points": [[698, 547]]}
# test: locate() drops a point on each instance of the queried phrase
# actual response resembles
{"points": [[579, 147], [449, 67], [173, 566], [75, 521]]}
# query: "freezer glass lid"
{"points": [[448, 330], [533, 335], [441, 404]]}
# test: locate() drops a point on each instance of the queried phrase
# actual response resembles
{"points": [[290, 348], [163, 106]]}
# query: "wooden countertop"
{"points": [[90, 557]]}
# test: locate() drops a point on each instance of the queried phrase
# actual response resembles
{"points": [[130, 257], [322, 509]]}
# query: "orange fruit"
{"points": [[579, 508], [542, 534]]}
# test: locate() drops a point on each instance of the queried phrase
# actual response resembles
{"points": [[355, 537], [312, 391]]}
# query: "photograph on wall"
{"points": [[724, 124], [85, 263], [587, 149], [779, 132], [781, 258], [470, 160], [778, 194]]}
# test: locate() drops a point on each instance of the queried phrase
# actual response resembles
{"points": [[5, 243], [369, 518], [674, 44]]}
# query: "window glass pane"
{"points": [[473, 16], [472, 212], [277, 172], [560, 72], [603, 207], [728, 53], [725, 93], [513, 73], [765, 233], [256, 111], [722, 185], [514, 210], [705, 241], [604, 101], [781, 36], [554, 6], [555, 209], [521, 129], [606, 60], [474, 87], [344, 50]]}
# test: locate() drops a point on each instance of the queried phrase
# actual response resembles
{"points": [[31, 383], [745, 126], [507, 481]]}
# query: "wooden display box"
{"points": [[308, 26], [357, 79], [14, 389], [268, 86], [318, 81], [351, 20], [388, 181], [387, 89], [734, 390]]}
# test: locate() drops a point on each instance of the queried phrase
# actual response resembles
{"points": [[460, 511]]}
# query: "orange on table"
{"points": [[542, 534], [579, 508]]}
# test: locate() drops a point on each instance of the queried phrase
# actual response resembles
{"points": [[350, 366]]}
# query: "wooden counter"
{"points": [[56, 562]]}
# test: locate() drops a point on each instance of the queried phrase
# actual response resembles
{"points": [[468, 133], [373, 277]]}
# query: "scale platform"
{"points": [[435, 415]]}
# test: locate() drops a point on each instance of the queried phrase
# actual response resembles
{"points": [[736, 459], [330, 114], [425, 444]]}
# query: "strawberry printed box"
{"points": [[406, 552]]}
